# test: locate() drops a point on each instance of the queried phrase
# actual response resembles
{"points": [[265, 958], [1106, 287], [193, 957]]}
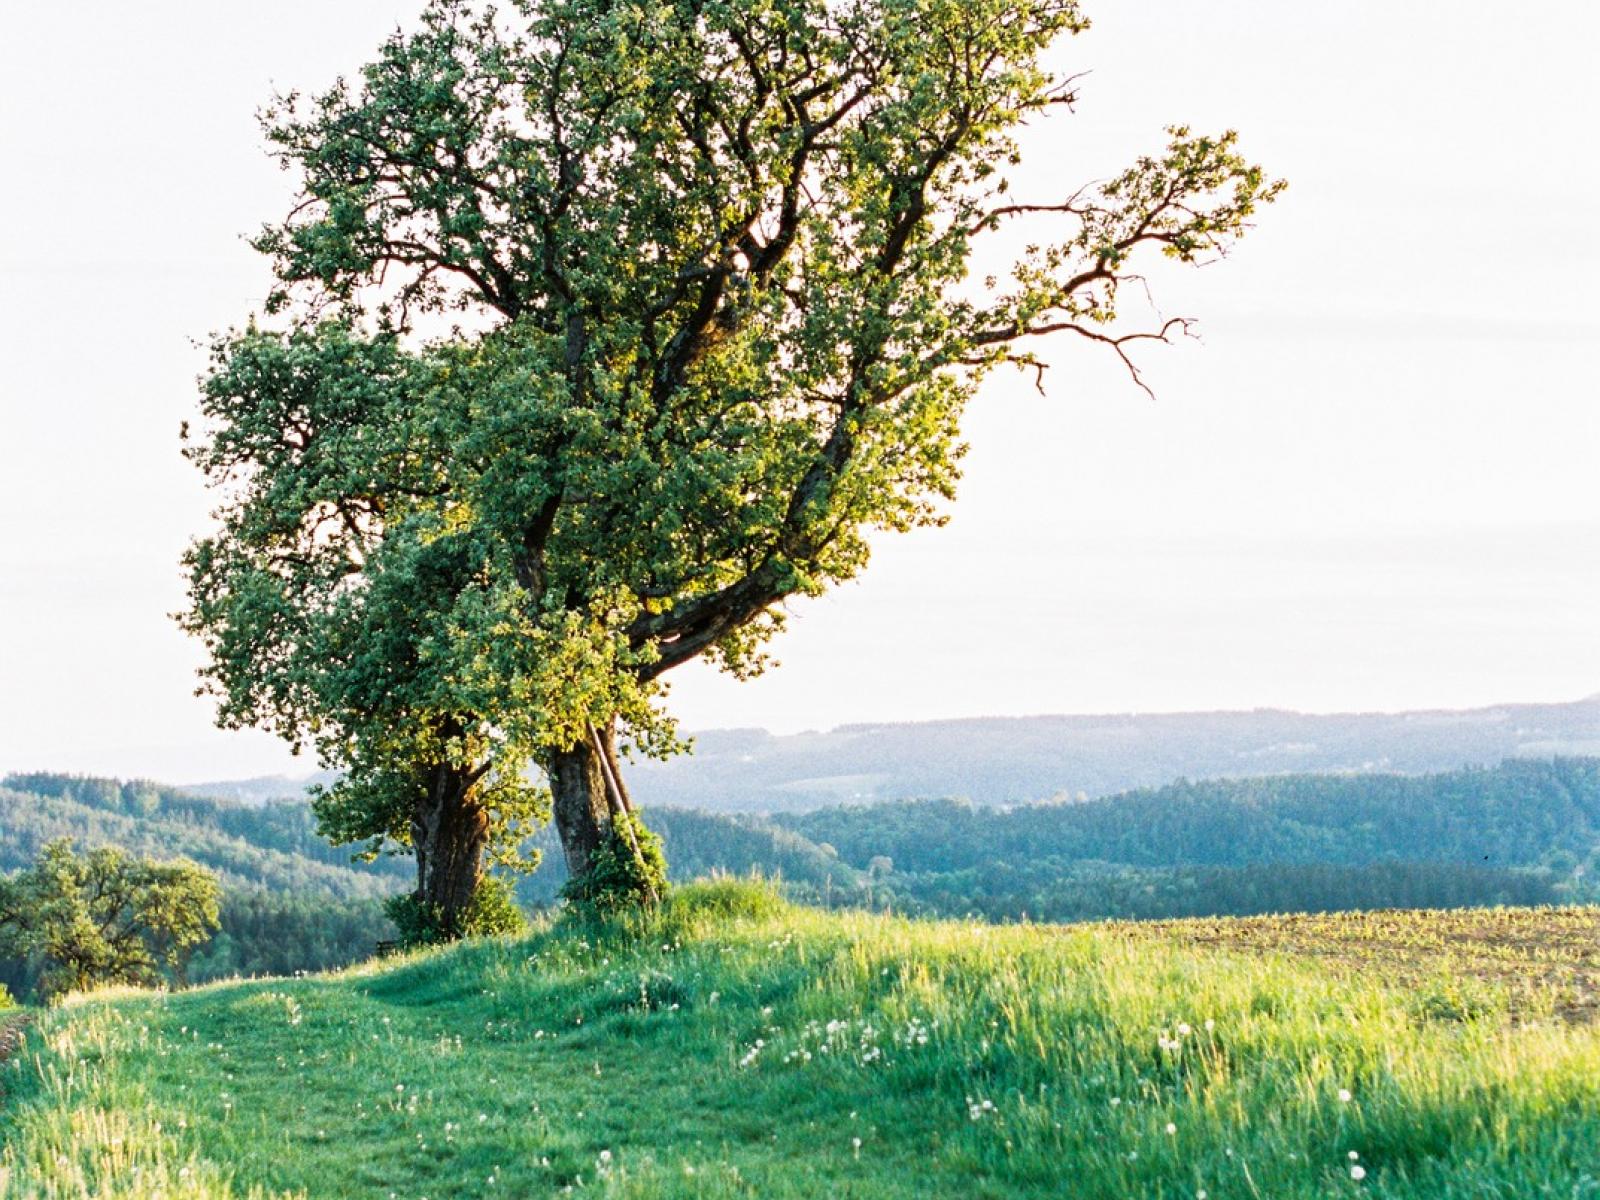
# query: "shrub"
{"points": [[619, 879], [105, 917], [5, 999], [492, 912]]}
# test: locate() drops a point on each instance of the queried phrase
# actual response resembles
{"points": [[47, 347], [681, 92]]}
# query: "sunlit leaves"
{"points": [[606, 328]]}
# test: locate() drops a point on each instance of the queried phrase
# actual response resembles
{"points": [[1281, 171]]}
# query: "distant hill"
{"points": [[271, 846], [1017, 760], [1021, 760], [260, 789]]}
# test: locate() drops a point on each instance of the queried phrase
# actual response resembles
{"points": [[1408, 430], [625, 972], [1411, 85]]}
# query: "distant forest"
{"points": [[1525, 832]]}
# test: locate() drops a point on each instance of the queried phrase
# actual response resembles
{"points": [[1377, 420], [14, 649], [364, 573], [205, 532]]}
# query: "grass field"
{"points": [[739, 1047]]}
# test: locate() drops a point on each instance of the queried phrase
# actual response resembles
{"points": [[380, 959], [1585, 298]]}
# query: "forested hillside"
{"points": [[274, 846], [1525, 832], [291, 901], [1517, 814]]}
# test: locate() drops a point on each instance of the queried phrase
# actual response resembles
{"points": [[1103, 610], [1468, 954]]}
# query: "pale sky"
{"points": [[1372, 486]]}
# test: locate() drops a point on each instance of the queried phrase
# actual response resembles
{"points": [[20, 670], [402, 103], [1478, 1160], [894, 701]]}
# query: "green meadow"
{"points": [[734, 1045]]}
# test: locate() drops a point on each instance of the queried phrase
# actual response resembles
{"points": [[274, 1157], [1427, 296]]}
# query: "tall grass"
{"points": [[735, 1046]]}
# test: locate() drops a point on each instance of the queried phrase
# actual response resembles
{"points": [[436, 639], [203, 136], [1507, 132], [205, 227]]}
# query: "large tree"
{"points": [[600, 330]]}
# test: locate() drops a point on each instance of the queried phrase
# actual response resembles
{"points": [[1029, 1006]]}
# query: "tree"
{"points": [[105, 917], [600, 330]]}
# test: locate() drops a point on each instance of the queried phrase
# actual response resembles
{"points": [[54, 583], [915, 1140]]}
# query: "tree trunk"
{"points": [[449, 832], [582, 808]]}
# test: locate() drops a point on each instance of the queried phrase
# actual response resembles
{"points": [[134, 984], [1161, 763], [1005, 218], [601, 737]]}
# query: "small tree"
{"points": [[698, 280], [104, 917]]}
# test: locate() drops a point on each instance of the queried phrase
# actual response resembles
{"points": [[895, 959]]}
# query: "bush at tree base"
{"points": [[493, 912], [618, 876]]}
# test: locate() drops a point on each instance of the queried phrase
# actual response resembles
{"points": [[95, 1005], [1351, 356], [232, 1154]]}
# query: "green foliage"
{"points": [[290, 901], [6, 999], [805, 1054], [706, 271], [275, 933], [104, 917], [626, 871], [492, 912]]}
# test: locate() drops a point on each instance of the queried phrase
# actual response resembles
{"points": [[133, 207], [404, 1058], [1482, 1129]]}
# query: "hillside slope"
{"points": [[273, 846], [1525, 832], [742, 1048], [290, 900]]}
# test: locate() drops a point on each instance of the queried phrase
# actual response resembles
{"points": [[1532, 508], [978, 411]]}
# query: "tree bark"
{"points": [[582, 809], [449, 833]]}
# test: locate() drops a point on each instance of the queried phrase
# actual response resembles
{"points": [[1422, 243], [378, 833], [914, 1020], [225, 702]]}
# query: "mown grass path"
{"points": [[742, 1048]]}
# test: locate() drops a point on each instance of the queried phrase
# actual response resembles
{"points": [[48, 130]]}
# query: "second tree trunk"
{"points": [[581, 807]]}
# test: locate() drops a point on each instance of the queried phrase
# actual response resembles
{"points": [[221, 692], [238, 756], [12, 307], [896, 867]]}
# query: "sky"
{"points": [[1372, 484]]}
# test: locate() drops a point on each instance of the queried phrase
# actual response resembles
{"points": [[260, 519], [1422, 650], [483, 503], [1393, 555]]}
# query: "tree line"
{"points": [[1525, 832], [1522, 813]]}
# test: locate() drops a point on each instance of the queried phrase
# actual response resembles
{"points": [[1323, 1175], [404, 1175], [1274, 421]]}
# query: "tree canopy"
{"points": [[601, 330], [105, 917]]}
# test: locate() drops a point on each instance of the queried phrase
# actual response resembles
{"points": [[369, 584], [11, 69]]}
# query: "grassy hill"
{"points": [[740, 1047]]}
